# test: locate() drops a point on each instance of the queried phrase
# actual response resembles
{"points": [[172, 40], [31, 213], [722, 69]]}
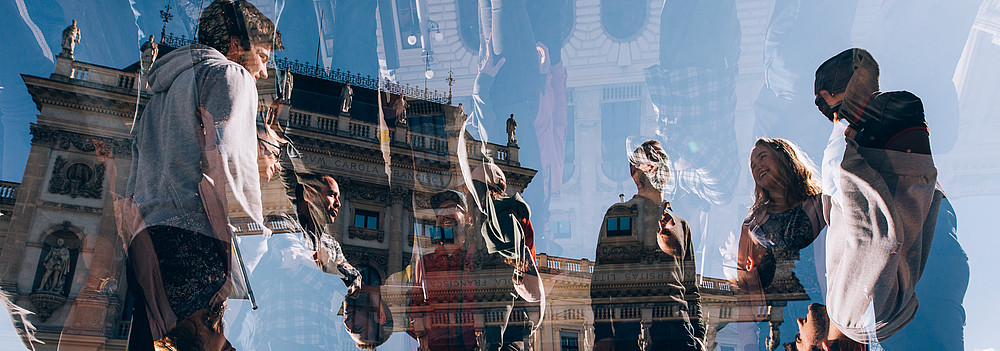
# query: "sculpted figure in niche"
{"points": [[56, 265], [70, 37]]}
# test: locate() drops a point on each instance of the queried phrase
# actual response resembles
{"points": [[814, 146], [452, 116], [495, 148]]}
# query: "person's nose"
{"points": [[263, 73]]}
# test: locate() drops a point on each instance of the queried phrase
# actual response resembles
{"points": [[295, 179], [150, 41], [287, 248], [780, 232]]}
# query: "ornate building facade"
{"points": [[62, 257]]}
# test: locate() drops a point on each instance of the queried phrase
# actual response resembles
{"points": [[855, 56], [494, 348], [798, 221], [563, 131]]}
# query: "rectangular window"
{"points": [[366, 219], [409, 24], [437, 234], [619, 226], [561, 229], [569, 341], [619, 120]]}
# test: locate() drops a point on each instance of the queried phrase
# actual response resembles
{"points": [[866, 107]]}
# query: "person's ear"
{"points": [[825, 345], [235, 47]]}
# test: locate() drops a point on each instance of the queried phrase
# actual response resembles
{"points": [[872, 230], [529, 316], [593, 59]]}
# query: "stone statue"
{"points": [[149, 50], [347, 94], [70, 37], [286, 86], [774, 339], [511, 130], [56, 265], [645, 337]]}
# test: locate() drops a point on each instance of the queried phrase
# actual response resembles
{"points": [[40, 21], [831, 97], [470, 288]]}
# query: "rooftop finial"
{"points": [[166, 16], [451, 82]]}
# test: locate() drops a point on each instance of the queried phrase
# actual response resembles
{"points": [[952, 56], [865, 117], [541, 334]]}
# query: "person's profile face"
{"points": [[325, 195], [330, 196], [268, 153], [813, 328], [255, 60], [765, 167]]}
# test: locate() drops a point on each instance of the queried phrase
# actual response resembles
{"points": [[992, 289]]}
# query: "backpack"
{"points": [[890, 120]]}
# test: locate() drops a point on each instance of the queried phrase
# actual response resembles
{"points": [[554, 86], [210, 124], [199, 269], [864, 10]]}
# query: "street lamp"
{"points": [[434, 27]]}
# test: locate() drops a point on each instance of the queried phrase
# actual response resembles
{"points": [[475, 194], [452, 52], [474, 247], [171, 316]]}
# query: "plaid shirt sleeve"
{"points": [[298, 307], [696, 110]]}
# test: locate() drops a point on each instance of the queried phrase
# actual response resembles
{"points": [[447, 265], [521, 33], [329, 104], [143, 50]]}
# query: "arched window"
{"points": [[369, 275], [468, 23], [623, 19]]}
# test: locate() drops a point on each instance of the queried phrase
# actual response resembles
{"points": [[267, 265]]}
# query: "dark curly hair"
{"points": [[216, 26]]}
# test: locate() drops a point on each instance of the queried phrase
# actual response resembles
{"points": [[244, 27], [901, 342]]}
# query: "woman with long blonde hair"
{"points": [[787, 213]]}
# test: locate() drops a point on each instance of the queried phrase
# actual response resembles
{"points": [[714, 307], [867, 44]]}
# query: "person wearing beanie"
{"points": [[880, 201]]}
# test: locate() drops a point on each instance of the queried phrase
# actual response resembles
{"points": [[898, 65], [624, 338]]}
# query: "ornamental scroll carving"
{"points": [[77, 179], [61, 139], [366, 234]]}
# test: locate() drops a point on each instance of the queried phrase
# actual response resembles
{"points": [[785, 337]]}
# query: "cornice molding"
{"points": [[63, 139]]}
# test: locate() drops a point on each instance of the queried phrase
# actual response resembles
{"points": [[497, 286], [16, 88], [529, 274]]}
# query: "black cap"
{"points": [[834, 74]]}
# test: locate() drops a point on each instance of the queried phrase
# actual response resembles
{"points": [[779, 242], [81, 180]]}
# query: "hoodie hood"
{"points": [[167, 68]]}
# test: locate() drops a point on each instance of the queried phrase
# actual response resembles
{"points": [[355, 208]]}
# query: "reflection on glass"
{"points": [[127, 220]]}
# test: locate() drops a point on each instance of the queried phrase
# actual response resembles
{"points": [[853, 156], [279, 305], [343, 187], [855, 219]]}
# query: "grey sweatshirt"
{"points": [[880, 230], [166, 153]]}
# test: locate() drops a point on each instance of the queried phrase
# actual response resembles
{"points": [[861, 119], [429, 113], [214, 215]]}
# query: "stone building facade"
{"points": [[62, 258]]}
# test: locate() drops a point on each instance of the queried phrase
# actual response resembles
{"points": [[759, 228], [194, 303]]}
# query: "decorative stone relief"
{"points": [[61, 139], [366, 234], [77, 179], [357, 256]]}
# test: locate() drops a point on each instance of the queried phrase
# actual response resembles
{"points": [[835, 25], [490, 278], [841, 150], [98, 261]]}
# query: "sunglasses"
{"points": [[264, 144]]}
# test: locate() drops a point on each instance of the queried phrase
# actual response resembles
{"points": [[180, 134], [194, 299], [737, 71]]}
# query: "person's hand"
{"points": [[352, 278], [492, 64]]}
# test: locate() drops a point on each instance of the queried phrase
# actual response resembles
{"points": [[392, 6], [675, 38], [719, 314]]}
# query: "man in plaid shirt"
{"points": [[693, 91], [298, 301]]}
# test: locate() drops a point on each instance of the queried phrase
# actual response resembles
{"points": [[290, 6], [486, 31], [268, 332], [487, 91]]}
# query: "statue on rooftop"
{"points": [[70, 37], [149, 51], [511, 130]]}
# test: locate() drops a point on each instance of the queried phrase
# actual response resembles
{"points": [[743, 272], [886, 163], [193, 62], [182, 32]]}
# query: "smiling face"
{"points": [[268, 154], [766, 168], [451, 214]]}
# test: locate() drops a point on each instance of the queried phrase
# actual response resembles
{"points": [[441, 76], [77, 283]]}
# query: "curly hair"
{"points": [[650, 153], [216, 26], [797, 171]]}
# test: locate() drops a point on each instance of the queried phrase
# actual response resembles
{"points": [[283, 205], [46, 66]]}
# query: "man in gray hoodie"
{"points": [[881, 202], [194, 141]]}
